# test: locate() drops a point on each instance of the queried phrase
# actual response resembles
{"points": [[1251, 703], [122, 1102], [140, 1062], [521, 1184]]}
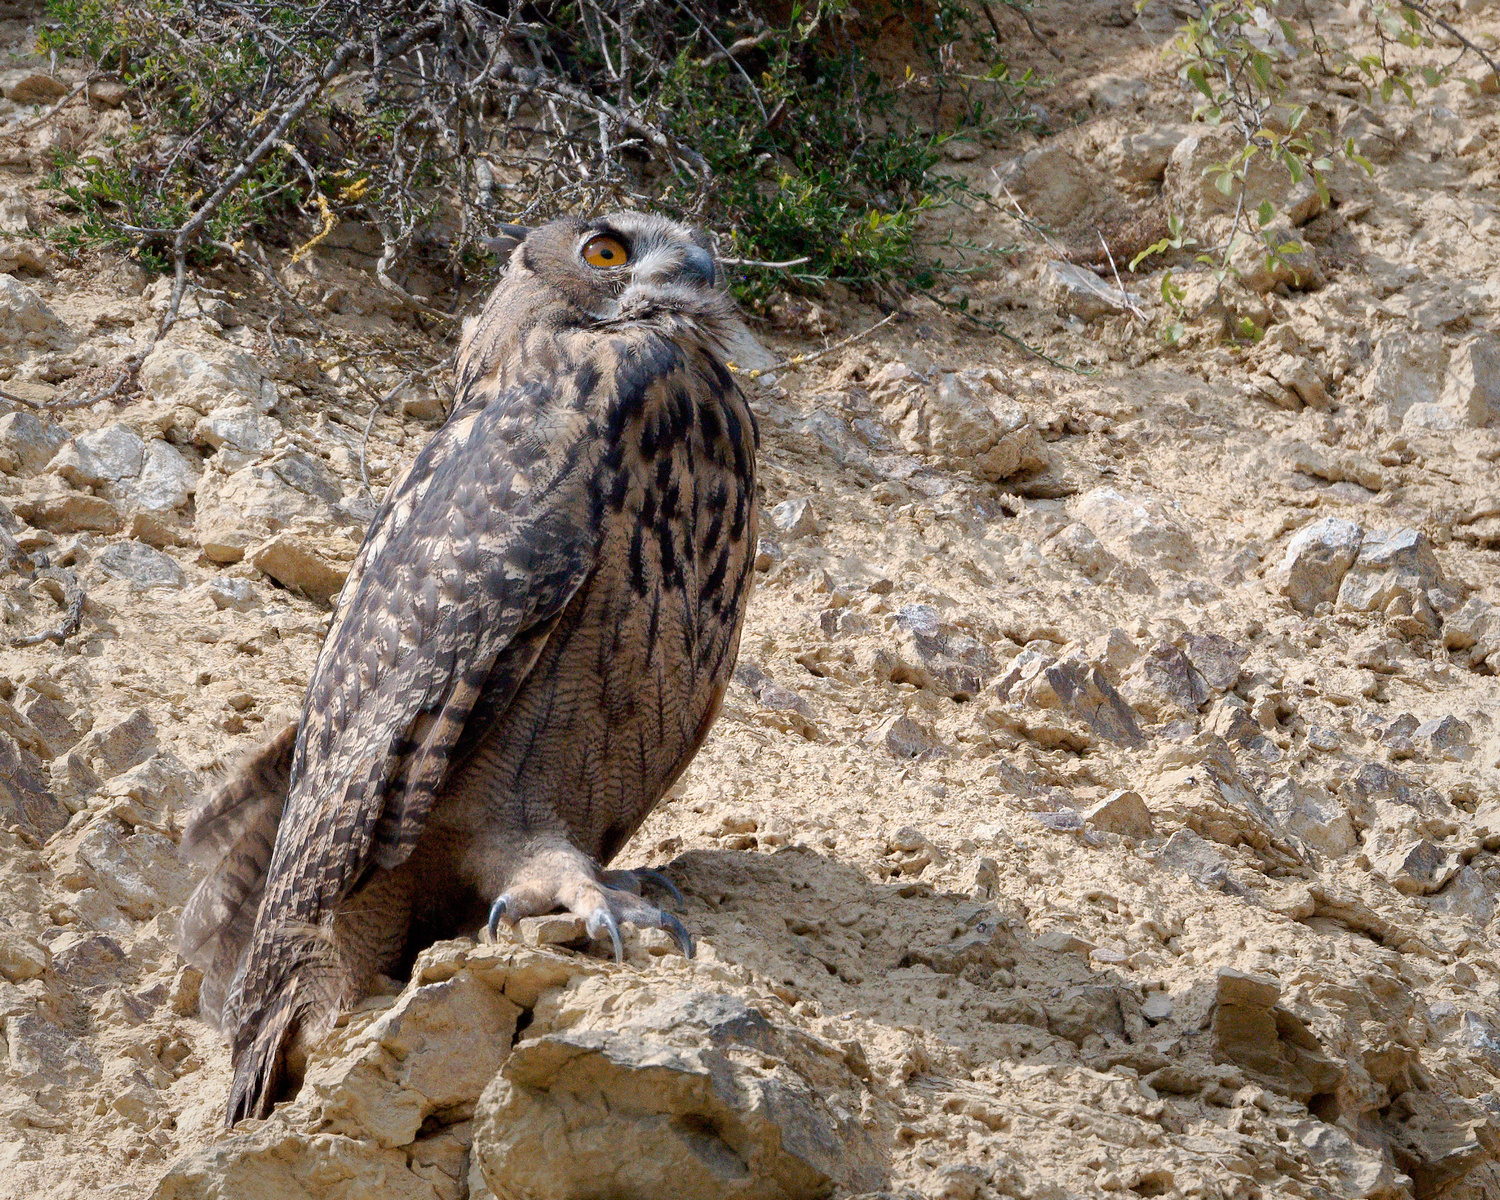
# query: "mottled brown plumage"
{"points": [[531, 646]]}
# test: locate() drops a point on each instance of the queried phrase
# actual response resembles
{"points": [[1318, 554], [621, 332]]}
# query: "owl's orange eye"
{"points": [[604, 251]]}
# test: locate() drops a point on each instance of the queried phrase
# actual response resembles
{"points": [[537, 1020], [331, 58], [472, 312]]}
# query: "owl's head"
{"points": [[628, 266]]}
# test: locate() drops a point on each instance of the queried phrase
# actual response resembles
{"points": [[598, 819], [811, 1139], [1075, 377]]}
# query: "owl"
{"points": [[532, 644]]}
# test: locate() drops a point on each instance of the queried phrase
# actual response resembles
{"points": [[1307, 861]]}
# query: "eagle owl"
{"points": [[532, 644]]}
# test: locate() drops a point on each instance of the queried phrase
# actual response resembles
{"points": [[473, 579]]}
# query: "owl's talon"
{"points": [[498, 912], [679, 932], [631, 880], [667, 886], [602, 919]]}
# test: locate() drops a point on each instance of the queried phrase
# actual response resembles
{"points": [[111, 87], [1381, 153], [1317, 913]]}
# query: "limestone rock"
{"points": [[140, 565], [202, 373], [1317, 559], [102, 456], [267, 1161], [966, 423], [1309, 814], [15, 219], [1050, 183], [1189, 184], [291, 492], [50, 716], [1445, 738], [138, 870], [953, 662], [61, 509], [1405, 369], [1413, 866], [22, 957], [154, 500], [1072, 688], [1474, 629], [1270, 1044], [1136, 528], [1295, 264], [1216, 659], [433, 1051], [1197, 858], [28, 442], [111, 749], [27, 325], [1362, 1173], [1142, 157], [705, 1092], [1165, 683], [225, 591], [24, 799], [30, 256], [1079, 292], [1467, 896], [240, 429], [314, 566], [1122, 812], [1392, 574], [1472, 386], [1302, 378], [905, 738], [795, 517]]}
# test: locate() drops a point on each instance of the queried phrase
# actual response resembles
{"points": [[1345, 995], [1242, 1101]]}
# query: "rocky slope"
{"points": [[1106, 803]]}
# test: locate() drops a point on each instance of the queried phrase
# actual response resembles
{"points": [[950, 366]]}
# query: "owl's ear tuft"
{"points": [[509, 237]]}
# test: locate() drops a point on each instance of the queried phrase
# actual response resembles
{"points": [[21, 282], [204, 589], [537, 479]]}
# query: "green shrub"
{"points": [[779, 136]]}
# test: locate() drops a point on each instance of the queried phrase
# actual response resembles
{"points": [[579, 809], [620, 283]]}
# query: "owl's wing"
{"points": [[466, 570], [468, 566]]}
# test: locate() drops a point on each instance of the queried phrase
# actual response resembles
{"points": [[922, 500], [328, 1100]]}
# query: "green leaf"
{"points": [[1196, 78], [1154, 248], [1225, 182], [1260, 64], [1265, 213]]}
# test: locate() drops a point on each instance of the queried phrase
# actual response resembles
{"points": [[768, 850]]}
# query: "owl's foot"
{"points": [[605, 901]]}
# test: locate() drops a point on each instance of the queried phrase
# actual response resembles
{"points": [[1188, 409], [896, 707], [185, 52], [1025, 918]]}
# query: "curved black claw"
{"points": [[679, 932], [667, 886], [497, 914], [602, 919], [630, 880]]}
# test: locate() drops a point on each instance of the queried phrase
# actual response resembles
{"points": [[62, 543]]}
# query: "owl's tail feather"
{"points": [[233, 835], [298, 977], [275, 1031], [291, 1012]]}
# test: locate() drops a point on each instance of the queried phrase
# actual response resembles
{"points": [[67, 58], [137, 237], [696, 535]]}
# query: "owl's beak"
{"points": [[698, 264], [510, 237]]}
